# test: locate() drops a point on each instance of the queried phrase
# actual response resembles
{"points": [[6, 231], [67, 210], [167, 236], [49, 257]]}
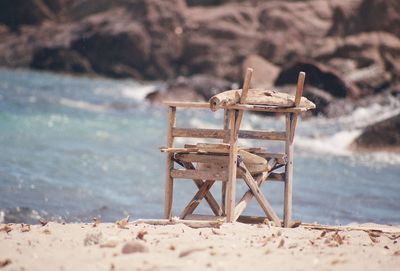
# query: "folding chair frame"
{"points": [[204, 180]]}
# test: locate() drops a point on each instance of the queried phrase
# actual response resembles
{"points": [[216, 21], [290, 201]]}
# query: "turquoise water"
{"points": [[74, 148]]}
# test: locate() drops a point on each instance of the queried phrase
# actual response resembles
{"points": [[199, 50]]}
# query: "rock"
{"points": [[204, 2], [134, 247], [321, 98], [15, 13], [283, 36], [320, 76], [217, 40], [349, 20], [369, 60], [60, 59], [383, 135], [162, 40], [265, 72], [128, 46]]}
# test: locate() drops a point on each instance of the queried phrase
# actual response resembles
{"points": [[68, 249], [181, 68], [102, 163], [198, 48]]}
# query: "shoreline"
{"points": [[140, 246]]}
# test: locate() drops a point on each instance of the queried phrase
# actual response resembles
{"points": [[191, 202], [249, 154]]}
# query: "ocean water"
{"points": [[72, 148]]}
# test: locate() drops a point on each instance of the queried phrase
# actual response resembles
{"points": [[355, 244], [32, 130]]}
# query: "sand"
{"points": [[178, 247]]}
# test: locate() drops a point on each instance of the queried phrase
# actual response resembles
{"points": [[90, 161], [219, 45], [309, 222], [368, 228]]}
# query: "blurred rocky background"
{"points": [[350, 49]]}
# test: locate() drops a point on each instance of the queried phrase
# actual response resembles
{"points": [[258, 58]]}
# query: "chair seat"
{"points": [[219, 161]]}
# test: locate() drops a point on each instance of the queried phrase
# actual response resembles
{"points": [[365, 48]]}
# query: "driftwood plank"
{"points": [[199, 174], [268, 97], [190, 223], [223, 134]]}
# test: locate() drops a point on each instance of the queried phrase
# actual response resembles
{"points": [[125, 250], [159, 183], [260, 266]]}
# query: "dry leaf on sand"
{"points": [[123, 223], [281, 243]]}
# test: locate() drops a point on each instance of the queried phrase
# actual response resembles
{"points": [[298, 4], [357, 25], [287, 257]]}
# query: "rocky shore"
{"points": [[199, 47]]}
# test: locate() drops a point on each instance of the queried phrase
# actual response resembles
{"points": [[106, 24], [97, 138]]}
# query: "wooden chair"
{"points": [[226, 161]]}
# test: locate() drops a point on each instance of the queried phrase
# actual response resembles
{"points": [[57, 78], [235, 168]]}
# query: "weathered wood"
{"points": [[262, 201], [200, 217], [199, 174], [203, 158], [223, 184], [192, 205], [299, 93], [178, 150], [222, 134], [287, 203], [262, 135], [169, 182], [209, 197], [187, 104], [231, 184], [199, 133], [243, 97], [266, 108], [300, 87], [281, 158], [190, 223], [247, 197], [230, 98]]}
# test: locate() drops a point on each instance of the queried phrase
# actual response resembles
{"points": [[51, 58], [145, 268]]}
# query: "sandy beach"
{"points": [[138, 246]]}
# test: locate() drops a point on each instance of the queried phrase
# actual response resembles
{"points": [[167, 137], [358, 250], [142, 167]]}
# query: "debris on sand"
{"points": [[134, 247], [123, 223], [5, 262], [6, 229], [140, 235], [43, 221], [190, 251], [25, 227], [96, 222]]}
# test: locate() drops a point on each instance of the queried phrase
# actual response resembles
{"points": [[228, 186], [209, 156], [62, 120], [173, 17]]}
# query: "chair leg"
{"points": [[287, 208], [223, 198], [212, 202], [192, 205], [248, 196], [232, 168], [169, 186], [258, 194]]}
